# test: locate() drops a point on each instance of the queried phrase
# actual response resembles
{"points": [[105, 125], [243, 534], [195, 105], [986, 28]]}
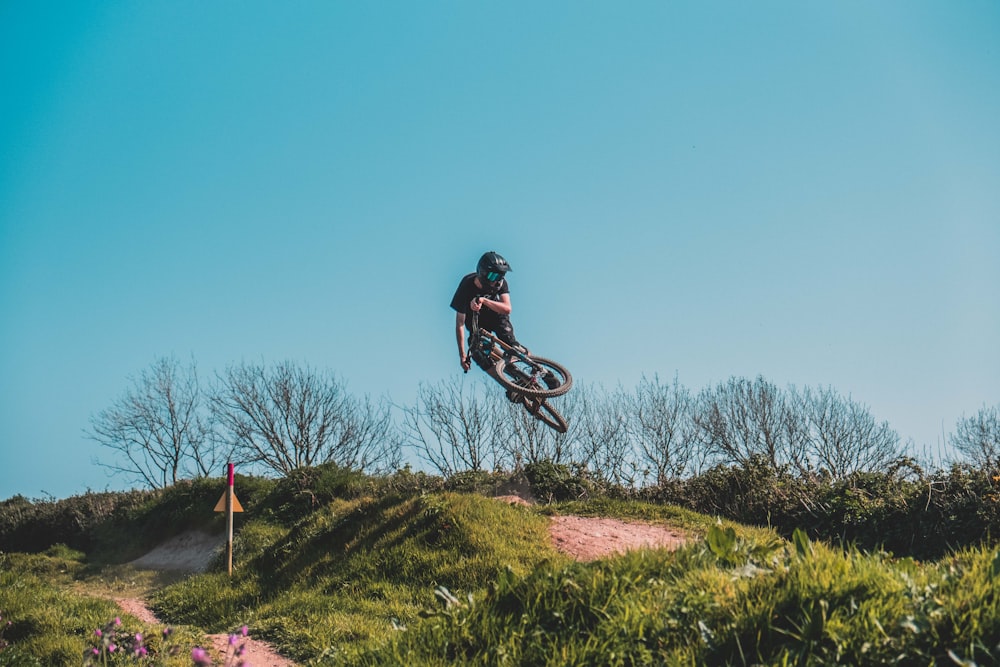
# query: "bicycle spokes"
{"points": [[523, 373]]}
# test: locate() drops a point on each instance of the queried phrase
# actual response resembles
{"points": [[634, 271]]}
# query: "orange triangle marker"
{"points": [[221, 505]]}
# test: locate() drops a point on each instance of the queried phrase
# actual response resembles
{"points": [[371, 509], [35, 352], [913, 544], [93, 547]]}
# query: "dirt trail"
{"points": [[193, 552], [256, 653], [583, 538], [590, 538]]}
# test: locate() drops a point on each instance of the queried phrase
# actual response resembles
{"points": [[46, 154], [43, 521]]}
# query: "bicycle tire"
{"points": [[512, 377], [540, 409]]}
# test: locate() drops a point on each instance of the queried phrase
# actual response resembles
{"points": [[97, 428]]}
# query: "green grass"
{"points": [[52, 622], [822, 607], [459, 579], [349, 573]]}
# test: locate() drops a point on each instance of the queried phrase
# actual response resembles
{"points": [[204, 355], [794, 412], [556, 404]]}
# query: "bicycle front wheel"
{"points": [[533, 376], [540, 409]]}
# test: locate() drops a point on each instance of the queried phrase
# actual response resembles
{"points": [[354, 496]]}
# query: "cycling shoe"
{"points": [[550, 380]]}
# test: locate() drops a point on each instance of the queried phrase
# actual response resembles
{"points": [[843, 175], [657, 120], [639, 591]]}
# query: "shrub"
{"points": [[32, 527], [555, 482], [307, 489], [754, 493], [475, 481]]}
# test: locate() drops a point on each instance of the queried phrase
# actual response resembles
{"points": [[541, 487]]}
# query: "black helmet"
{"points": [[492, 267]]}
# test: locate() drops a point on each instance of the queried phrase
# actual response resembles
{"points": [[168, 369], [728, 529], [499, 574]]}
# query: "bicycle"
{"points": [[529, 380]]}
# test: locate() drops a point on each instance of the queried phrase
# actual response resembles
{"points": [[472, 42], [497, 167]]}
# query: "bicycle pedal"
{"points": [[550, 380]]}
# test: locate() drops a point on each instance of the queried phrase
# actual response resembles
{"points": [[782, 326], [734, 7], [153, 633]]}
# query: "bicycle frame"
{"points": [[499, 349]]}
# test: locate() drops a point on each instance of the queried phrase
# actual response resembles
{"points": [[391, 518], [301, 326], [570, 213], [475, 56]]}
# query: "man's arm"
{"points": [[460, 336], [501, 306]]}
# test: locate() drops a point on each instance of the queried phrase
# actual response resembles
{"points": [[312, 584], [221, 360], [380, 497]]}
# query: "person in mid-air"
{"points": [[485, 292]]}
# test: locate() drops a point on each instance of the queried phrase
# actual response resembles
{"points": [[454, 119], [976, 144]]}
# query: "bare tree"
{"points": [[455, 429], [287, 417], [661, 421], [842, 436], [602, 435], [741, 420], [158, 430], [978, 437], [527, 440]]}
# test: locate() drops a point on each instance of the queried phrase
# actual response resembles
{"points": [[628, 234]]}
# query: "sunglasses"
{"points": [[494, 276]]}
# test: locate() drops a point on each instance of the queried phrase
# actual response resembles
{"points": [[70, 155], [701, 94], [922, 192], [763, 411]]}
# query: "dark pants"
{"points": [[505, 332]]}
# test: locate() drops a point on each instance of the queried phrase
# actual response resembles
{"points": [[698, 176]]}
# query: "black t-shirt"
{"points": [[467, 291]]}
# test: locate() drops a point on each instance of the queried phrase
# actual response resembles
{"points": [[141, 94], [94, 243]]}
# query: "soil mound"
{"points": [[192, 551], [590, 538]]}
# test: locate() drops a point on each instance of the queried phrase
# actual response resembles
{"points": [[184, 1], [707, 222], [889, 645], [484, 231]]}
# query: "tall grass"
{"points": [[812, 606]]}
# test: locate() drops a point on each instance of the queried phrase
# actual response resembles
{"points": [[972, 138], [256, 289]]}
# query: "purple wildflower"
{"points": [[200, 657]]}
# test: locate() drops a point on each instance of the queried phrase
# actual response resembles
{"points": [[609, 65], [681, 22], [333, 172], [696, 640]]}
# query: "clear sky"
{"points": [[806, 191]]}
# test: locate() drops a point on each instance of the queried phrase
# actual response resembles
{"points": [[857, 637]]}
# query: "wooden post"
{"points": [[229, 503], [230, 495]]}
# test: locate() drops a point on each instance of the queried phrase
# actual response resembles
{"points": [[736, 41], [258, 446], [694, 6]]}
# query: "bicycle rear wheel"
{"points": [[533, 376], [540, 409]]}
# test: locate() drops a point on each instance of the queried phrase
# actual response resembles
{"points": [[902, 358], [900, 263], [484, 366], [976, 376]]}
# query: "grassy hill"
{"points": [[334, 568]]}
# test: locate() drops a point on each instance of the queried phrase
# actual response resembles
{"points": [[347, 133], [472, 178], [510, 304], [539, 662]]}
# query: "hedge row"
{"points": [[903, 510]]}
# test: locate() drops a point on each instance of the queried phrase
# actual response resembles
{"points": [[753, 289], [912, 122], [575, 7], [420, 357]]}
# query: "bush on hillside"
{"points": [[903, 510], [405, 483], [959, 507], [756, 492], [306, 489], [557, 482], [476, 481], [33, 526]]}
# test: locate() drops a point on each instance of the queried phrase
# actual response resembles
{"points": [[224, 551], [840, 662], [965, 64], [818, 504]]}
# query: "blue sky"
{"points": [[807, 191]]}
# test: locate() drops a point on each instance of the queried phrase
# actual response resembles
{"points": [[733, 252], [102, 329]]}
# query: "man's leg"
{"points": [[482, 358], [505, 332], [481, 355]]}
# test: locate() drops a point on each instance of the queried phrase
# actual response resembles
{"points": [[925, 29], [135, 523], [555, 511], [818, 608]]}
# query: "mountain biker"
{"points": [[486, 292]]}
